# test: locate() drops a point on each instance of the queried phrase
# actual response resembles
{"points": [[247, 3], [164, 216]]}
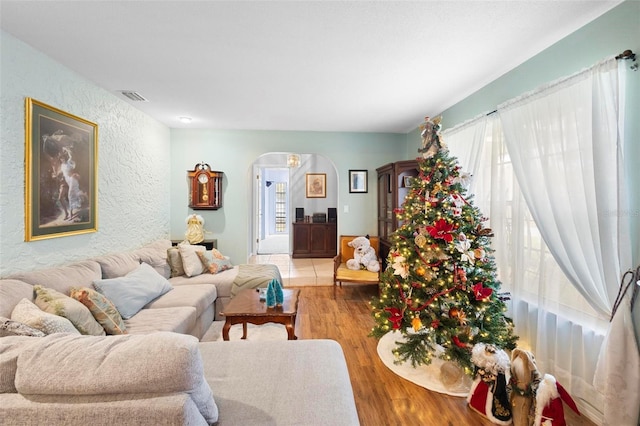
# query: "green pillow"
{"points": [[54, 302]]}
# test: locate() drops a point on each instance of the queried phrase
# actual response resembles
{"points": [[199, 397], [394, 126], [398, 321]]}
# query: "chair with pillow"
{"points": [[343, 274]]}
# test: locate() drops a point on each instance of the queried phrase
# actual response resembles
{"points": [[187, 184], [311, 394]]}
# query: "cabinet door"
{"points": [[301, 239], [318, 243]]}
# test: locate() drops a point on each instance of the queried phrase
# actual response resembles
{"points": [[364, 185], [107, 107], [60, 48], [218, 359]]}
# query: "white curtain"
{"points": [[566, 149], [551, 318]]}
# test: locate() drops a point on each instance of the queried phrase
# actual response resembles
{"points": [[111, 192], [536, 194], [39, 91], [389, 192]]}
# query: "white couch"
{"points": [[160, 373]]}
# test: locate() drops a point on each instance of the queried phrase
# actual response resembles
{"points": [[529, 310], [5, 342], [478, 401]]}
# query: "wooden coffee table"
{"points": [[246, 307]]}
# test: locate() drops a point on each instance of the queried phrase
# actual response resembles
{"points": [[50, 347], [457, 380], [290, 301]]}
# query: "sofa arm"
{"points": [[162, 363], [121, 410]]}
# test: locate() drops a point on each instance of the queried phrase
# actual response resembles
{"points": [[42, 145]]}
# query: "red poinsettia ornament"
{"points": [[481, 292], [441, 229], [395, 317]]}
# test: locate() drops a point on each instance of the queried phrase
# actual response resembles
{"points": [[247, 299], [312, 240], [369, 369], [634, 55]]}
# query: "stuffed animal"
{"points": [[488, 395], [364, 256], [525, 378]]}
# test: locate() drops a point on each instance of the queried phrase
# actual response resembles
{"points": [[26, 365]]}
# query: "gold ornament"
{"points": [[416, 323]]}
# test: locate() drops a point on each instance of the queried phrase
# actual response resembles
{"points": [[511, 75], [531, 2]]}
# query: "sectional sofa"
{"points": [[159, 372]]}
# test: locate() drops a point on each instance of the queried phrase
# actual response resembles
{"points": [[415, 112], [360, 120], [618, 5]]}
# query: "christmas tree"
{"points": [[440, 288]]}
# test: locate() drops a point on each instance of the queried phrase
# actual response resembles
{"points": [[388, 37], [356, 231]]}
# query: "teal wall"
{"points": [[235, 151], [609, 35]]}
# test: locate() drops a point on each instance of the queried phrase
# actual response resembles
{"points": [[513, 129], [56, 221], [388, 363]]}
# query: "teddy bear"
{"points": [[363, 255]]}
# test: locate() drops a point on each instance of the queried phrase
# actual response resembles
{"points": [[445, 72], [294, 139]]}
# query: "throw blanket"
{"points": [[254, 276]]}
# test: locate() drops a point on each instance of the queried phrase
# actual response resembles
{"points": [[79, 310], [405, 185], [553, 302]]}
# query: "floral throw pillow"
{"points": [[214, 262], [54, 302], [101, 308], [9, 327]]}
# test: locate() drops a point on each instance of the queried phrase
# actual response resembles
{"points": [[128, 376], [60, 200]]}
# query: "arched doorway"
{"points": [[279, 190]]}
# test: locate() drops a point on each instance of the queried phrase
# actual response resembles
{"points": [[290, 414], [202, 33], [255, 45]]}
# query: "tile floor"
{"points": [[299, 272]]}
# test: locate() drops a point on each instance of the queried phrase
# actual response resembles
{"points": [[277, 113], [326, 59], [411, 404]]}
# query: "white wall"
{"points": [[133, 162]]}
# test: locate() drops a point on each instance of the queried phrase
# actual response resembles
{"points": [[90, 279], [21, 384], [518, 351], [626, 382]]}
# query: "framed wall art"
{"points": [[358, 181], [61, 160], [316, 184]]}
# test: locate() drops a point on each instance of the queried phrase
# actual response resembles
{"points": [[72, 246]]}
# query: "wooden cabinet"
{"points": [[314, 239], [393, 187], [209, 244]]}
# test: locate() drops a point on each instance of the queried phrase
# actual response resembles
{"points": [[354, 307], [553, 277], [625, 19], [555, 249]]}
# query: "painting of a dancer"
{"points": [[61, 173]]}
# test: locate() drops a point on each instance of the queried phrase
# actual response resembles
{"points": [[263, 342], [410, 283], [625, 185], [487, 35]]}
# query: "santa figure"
{"points": [[488, 395], [549, 397]]}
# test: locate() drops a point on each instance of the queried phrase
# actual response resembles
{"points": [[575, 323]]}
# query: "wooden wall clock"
{"points": [[205, 188]]}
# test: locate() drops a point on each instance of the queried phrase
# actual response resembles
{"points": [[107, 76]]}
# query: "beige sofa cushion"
{"points": [[147, 321], [125, 364], [200, 296], [62, 278], [10, 348], [11, 292]]}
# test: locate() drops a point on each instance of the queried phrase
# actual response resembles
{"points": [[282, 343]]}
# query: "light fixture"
{"points": [[185, 120], [293, 160]]}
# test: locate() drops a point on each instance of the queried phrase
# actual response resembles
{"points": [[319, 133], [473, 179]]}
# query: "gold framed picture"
{"points": [[61, 161], [316, 184]]}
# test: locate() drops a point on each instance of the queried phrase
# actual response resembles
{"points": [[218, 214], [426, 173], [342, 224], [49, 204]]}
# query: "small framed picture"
{"points": [[406, 181], [60, 173], [358, 181], [316, 184]]}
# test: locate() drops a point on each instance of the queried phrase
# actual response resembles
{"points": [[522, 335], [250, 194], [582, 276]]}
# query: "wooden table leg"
{"points": [[290, 325], [225, 329], [244, 330]]}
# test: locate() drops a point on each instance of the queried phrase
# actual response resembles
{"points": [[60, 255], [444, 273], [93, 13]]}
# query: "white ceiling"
{"points": [[363, 66]]}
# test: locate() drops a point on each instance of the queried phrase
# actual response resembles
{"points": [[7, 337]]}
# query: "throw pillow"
{"points": [[216, 253], [175, 262], [130, 293], [212, 263], [101, 308], [54, 302], [28, 313], [9, 327], [190, 260]]}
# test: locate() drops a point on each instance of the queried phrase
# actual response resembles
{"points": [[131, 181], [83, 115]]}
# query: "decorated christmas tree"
{"points": [[440, 289]]}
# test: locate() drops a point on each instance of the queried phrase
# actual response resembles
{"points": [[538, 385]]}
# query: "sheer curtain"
{"points": [[551, 318], [566, 148]]}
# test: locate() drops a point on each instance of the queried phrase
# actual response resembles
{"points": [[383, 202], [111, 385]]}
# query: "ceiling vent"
{"points": [[134, 96]]}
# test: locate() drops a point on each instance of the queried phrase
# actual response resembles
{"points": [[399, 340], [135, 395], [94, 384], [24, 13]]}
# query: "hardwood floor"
{"points": [[382, 397]]}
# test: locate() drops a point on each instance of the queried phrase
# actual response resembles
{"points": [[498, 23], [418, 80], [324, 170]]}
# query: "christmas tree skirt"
{"points": [[439, 376]]}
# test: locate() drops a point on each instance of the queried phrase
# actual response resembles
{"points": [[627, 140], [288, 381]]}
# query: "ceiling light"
{"points": [[185, 120], [293, 160]]}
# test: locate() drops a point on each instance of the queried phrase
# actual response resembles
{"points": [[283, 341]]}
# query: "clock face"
{"points": [[203, 178]]}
